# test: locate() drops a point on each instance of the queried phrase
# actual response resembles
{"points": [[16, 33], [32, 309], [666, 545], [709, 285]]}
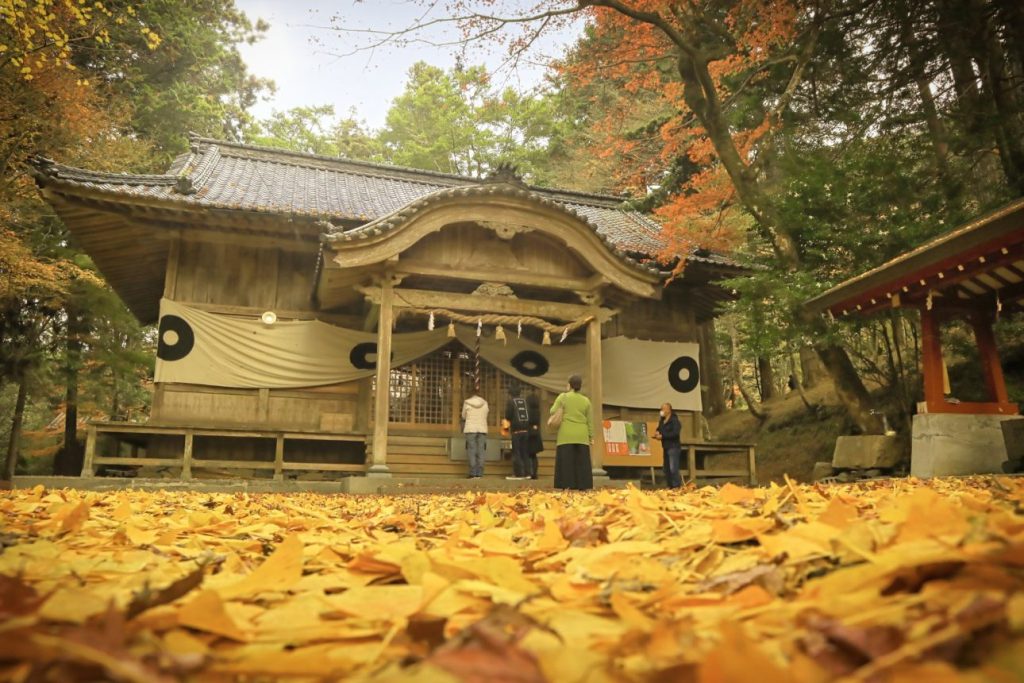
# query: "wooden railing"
{"points": [[187, 461]]}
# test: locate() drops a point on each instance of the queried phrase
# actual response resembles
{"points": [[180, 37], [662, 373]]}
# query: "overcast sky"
{"points": [[298, 56]]}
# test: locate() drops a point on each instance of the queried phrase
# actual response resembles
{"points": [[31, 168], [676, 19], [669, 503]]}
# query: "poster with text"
{"points": [[626, 438]]}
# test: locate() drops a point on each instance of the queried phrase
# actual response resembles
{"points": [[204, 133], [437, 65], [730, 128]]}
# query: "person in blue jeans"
{"points": [[474, 416], [668, 432]]}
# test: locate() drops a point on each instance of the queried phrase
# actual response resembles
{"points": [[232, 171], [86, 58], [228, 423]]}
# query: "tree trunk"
{"points": [[711, 375], [988, 53], [798, 385], [767, 375], [737, 376], [69, 455], [701, 95], [811, 368], [12, 445], [954, 39], [850, 389]]}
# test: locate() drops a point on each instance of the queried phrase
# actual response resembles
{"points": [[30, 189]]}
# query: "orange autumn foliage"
{"points": [[640, 60]]}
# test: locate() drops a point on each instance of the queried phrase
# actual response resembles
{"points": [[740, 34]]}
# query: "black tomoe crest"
{"points": [[175, 338], [530, 363], [684, 384]]}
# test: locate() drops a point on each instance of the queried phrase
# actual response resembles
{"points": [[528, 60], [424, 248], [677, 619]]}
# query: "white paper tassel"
{"points": [[565, 333], [430, 323], [519, 329], [479, 327]]}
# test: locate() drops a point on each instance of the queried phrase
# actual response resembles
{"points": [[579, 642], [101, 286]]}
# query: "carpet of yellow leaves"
{"points": [[883, 581]]}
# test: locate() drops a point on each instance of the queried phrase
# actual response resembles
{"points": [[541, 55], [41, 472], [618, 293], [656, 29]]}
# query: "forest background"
{"points": [[810, 140]]}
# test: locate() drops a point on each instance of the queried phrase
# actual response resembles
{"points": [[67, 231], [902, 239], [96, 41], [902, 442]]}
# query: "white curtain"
{"points": [[198, 347]]}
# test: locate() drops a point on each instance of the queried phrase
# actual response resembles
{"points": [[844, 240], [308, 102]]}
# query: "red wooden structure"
{"points": [[974, 273]]}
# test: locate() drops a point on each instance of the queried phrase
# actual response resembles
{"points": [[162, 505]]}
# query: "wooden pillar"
{"points": [[90, 453], [263, 405], [382, 400], [931, 359], [596, 396], [186, 458], [171, 272], [691, 463], [752, 466], [279, 458], [990, 366]]}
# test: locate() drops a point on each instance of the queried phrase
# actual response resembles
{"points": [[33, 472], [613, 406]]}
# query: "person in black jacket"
{"points": [[668, 432], [517, 412]]}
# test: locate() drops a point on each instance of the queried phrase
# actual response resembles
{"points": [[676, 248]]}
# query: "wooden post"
{"points": [[378, 465], [186, 458], [753, 466], [596, 392], [263, 406], [931, 359], [990, 366], [171, 273], [279, 458], [90, 452], [691, 462]]}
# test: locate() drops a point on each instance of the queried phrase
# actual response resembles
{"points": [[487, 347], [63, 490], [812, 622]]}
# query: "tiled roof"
{"points": [[217, 174]]}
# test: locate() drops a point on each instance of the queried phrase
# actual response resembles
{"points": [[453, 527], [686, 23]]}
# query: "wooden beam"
{"points": [[378, 465], [596, 396], [282, 313], [418, 298], [512, 277]]}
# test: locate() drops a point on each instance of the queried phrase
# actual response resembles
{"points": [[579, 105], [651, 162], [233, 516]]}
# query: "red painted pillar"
{"points": [[931, 359], [990, 365]]}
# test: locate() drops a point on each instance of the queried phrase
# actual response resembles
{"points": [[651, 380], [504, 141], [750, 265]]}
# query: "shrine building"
{"points": [[279, 279]]}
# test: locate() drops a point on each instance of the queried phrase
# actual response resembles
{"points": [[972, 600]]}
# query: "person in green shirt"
{"points": [[575, 436]]}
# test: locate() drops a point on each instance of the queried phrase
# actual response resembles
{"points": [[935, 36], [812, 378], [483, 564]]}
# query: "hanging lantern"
{"points": [[547, 338], [451, 329], [499, 334], [430, 322]]}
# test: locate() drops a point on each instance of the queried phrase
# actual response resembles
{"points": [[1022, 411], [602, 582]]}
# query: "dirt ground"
{"points": [[791, 439]]}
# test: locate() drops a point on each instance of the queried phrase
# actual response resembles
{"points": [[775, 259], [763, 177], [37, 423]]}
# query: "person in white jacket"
{"points": [[474, 416]]}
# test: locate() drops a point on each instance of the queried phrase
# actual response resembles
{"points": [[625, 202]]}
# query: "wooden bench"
{"points": [[128, 429], [694, 448]]}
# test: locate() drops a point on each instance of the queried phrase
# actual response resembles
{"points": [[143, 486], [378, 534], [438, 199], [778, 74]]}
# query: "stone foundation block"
{"points": [[946, 444], [822, 470], [867, 451]]}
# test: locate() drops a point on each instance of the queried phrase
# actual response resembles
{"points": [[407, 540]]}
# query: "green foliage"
{"points": [[194, 81], [314, 130], [449, 121]]}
